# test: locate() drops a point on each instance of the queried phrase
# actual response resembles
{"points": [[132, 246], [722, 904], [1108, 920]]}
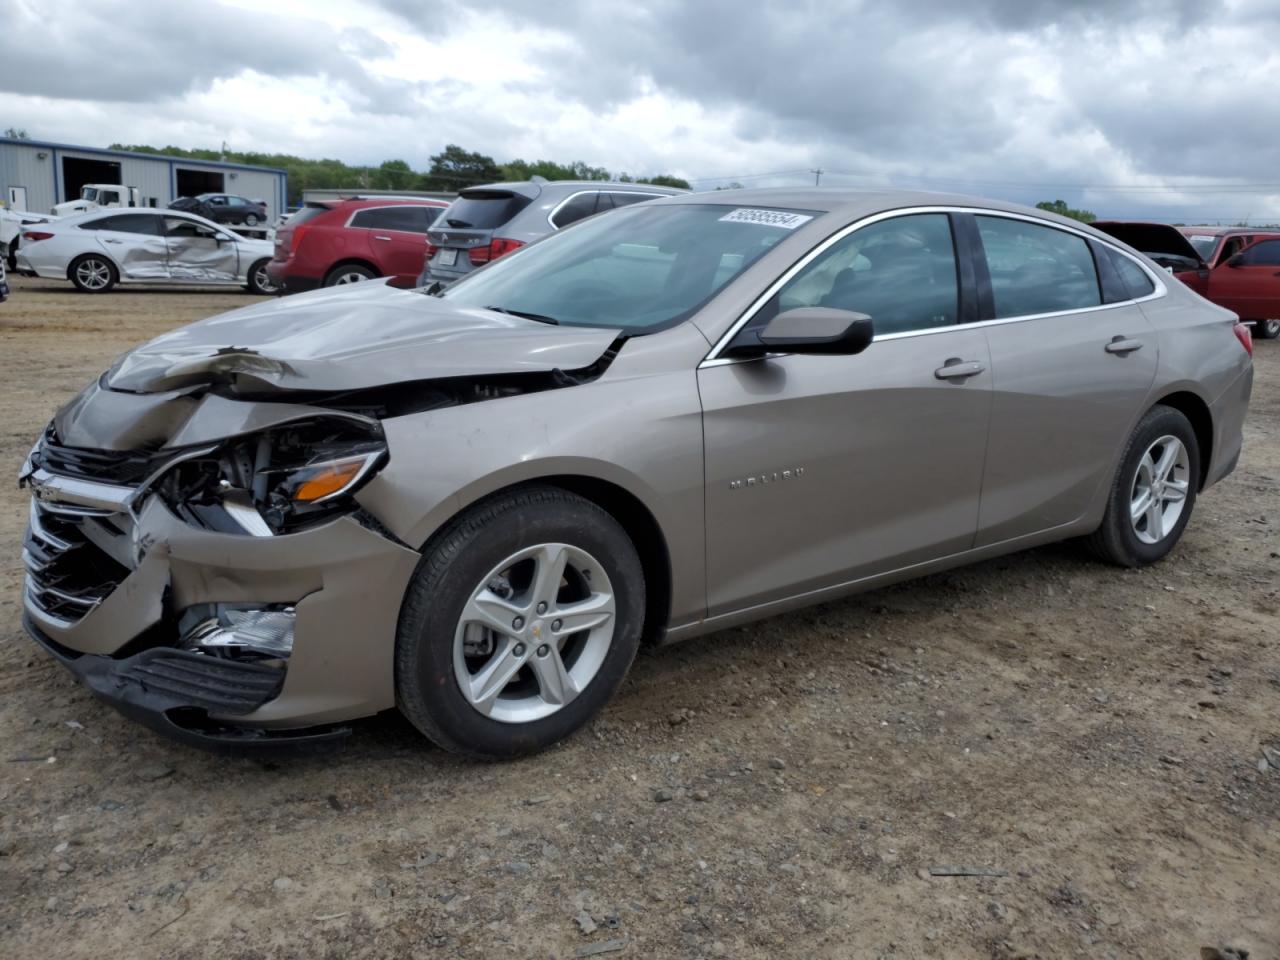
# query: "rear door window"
{"points": [[410, 219], [621, 199], [144, 223], [483, 209], [575, 209], [1037, 269]]}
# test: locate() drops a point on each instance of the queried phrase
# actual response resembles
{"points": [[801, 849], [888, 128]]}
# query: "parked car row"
{"points": [[417, 241]]}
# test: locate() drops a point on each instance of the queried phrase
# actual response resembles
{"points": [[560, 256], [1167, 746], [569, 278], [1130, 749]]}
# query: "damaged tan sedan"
{"points": [[475, 504]]}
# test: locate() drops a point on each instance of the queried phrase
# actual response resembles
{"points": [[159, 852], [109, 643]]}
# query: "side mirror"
{"points": [[1236, 261], [818, 330]]}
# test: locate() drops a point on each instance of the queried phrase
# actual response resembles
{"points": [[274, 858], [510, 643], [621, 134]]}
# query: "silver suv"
{"points": [[486, 222]]}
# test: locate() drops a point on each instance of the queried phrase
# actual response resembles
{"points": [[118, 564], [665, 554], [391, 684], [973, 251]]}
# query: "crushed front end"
{"points": [[200, 563]]}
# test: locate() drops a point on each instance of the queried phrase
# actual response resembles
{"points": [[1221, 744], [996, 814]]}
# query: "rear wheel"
{"points": [[1153, 493], [348, 273], [259, 282], [250, 219], [92, 273], [1266, 329], [520, 624]]}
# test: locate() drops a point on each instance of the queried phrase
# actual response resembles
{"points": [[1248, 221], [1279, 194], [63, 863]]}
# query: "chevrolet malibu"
{"points": [[475, 504]]}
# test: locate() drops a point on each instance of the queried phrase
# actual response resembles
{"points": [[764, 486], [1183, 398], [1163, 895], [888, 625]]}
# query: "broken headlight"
{"points": [[278, 481]]}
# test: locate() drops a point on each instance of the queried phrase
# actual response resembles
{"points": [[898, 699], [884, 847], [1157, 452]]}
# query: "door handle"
{"points": [[381, 238], [957, 369], [112, 241], [1123, 345]]}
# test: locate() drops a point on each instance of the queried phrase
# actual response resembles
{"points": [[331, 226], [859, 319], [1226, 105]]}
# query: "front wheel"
{"points": [[1266, 329], [250, 219], [1153, 493], [259, 282], [92, 274], [520, 623]]}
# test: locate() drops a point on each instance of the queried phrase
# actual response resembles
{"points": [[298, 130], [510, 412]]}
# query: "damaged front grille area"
{"points": [[68, 574], [126, 468], [220, 686]]}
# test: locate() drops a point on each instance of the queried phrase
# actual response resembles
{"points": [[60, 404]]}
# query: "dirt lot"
{"points": [[779, 790]]}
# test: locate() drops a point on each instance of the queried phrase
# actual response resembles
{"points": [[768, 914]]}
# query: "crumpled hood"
{"points": [[348, 338]]}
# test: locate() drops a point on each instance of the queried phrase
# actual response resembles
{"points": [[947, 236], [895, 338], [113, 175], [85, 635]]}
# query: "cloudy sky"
{"points": [[1162, 108]]}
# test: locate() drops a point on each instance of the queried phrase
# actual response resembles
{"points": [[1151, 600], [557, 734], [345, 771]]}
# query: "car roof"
{"points": [[1226, 231], [532, 188], [361, 202]]}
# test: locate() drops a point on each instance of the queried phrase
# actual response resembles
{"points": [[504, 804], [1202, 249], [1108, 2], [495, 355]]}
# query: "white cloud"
{"points": [[1130, 108]]}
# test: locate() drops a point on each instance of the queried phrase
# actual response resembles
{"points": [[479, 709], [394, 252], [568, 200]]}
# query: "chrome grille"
{"points": [[68, 573]]}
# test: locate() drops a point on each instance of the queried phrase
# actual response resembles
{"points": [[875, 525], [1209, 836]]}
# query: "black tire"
{"points": [[96, 265], [11, 256], [1116, 541], [336, 275], [1266, 329], [250, 219], [454, 564], [259, 282]]}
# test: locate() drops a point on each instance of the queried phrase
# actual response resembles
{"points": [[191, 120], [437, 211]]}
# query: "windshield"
{"points": [[89, 193], [1204, 245], [640, 269]]}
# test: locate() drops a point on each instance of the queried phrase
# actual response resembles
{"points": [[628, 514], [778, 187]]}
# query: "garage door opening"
{"points": [[77, 171], [192, 183]]}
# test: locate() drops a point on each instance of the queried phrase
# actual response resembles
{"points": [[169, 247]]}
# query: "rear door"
{"points": [[821, 470], [135, 243], [1071, 369], [396, 238], [1249, 284], [200, 253]]}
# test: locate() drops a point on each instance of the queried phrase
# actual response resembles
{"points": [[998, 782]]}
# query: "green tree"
{"points": [[454, 168], [665, 180], [550, 170], [16, 133], [393, 175], [1060, 207]]}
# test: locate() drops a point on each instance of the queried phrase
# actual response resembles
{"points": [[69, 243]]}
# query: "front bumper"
{"points": [[344, 580]]}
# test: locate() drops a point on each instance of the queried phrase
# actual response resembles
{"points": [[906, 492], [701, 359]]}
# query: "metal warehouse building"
{"points": [[35, 175]]}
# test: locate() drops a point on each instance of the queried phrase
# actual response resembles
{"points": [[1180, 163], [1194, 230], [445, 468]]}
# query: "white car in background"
{"points": [[12, 223], [95, 251]]}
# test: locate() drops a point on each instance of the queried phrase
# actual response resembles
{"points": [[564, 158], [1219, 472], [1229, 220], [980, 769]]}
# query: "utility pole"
{"points": [[817, 175]]}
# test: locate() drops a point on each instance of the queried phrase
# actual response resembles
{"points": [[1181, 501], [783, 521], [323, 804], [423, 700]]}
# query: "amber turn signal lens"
{"points": [[326, 479]]}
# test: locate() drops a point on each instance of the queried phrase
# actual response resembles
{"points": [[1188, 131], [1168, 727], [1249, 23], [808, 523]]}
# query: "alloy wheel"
{"points": [[93, 274], [350, 276], [261, 281], [534, 633], [1160, 487]]}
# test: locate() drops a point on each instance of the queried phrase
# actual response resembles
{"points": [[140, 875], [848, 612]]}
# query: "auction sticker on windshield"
{"points": [[766, 218]]}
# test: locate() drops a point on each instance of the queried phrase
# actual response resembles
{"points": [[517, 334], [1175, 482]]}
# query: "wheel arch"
{"points": [[1195, 409], [94, 253], [351, 262], [637, 521]]}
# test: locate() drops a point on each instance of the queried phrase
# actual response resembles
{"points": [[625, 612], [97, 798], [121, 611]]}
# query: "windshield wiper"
{"points": [[541, 318], [459, 224]]}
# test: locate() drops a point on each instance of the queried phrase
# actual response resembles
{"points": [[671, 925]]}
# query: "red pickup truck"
{"points": [[1235, 267]]}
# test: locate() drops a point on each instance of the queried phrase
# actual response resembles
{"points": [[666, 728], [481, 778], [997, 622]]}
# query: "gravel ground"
{"points": [[1097, 736]]}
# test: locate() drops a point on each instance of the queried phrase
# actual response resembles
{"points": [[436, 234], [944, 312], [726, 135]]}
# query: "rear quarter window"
{"points": [[1136, 281]]}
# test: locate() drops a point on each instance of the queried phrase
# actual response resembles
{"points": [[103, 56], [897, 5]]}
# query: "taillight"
{"points": [[295, 237], [31, 236], [432, 250], [498, 246], [1245, 336]]}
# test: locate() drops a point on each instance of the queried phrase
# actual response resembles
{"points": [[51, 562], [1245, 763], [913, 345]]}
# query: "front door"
{"points": [[1070, 375], [199, 253], [821, 470], [1250, 283]]}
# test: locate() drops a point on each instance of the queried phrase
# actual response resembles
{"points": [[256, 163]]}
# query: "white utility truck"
{"points": [[98, 196]]}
